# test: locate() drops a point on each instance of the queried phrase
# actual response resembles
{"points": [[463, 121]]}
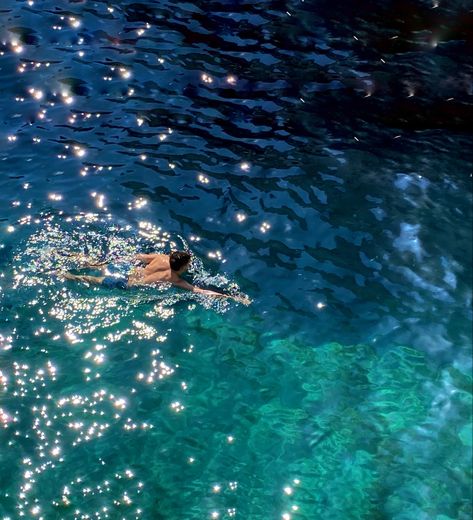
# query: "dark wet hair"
{"points": [[178, 259]]}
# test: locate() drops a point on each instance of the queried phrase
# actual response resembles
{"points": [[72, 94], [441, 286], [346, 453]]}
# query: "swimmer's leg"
{"points": [[95, 280], [86, 263], [101, 266]]}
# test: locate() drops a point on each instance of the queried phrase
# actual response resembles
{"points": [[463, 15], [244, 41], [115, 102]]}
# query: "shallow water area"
{"points": [[315, 157]]}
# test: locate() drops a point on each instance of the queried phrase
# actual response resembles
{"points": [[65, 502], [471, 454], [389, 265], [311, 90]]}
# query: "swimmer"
{"points": [[155, 268]]}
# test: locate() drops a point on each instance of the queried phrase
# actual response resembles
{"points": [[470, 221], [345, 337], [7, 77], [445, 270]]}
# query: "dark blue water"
{"points": [[316, 156]]}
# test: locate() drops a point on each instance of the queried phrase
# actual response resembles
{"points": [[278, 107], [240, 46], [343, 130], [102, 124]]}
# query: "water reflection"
{"points": [[67, 343], [312, 152]]}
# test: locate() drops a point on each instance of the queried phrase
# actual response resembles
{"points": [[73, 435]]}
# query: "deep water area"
{"points": [[315, 156]]}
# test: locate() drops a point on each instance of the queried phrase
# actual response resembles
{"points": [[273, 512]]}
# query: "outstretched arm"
{"points": [[189, 287]]}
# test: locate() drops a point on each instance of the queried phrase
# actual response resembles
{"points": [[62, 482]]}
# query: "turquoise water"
{"points": [[315, 157]]}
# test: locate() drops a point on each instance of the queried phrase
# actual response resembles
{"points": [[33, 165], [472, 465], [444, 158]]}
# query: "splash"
{"points": [[61, 243]]}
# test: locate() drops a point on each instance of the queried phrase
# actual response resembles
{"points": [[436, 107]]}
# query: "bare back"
{"points": [[157, 270]]}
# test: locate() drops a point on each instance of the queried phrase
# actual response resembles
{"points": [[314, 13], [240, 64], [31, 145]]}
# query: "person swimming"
{"points": [[155, 268]]}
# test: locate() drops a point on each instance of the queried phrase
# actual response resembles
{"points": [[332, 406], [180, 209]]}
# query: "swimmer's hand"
{"points": [[242, 298], [239, 298]]}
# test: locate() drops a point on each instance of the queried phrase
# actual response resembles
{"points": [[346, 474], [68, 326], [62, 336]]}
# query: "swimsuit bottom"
{"points": [[117, 276]]}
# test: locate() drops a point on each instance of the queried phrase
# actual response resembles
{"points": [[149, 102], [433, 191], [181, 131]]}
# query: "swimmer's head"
{"points": [[179, 261]]}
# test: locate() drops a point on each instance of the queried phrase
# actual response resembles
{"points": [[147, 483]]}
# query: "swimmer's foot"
{"points": [[66, 275], [69, 276], [91, 280]]}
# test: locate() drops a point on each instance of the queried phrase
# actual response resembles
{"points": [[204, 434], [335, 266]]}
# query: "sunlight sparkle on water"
{"points": [[67, 98], [72, 323], [137, 204], [124, 73], [79, 151], [206, 78], [265, 226], [36, 93], [74, 22], [177, 406], [215, 254], [17, 47], [99, 200]]}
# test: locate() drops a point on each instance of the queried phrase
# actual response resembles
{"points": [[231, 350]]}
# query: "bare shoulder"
{"points": [[159, 265], [160, 260], [175, 278], [179, 282]]}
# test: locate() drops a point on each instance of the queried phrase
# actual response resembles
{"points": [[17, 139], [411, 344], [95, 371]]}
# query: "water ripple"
{"points": [[318, 157]]}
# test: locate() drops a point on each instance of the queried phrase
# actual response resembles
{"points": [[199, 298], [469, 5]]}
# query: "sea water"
{"points": [[314, 156]]}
